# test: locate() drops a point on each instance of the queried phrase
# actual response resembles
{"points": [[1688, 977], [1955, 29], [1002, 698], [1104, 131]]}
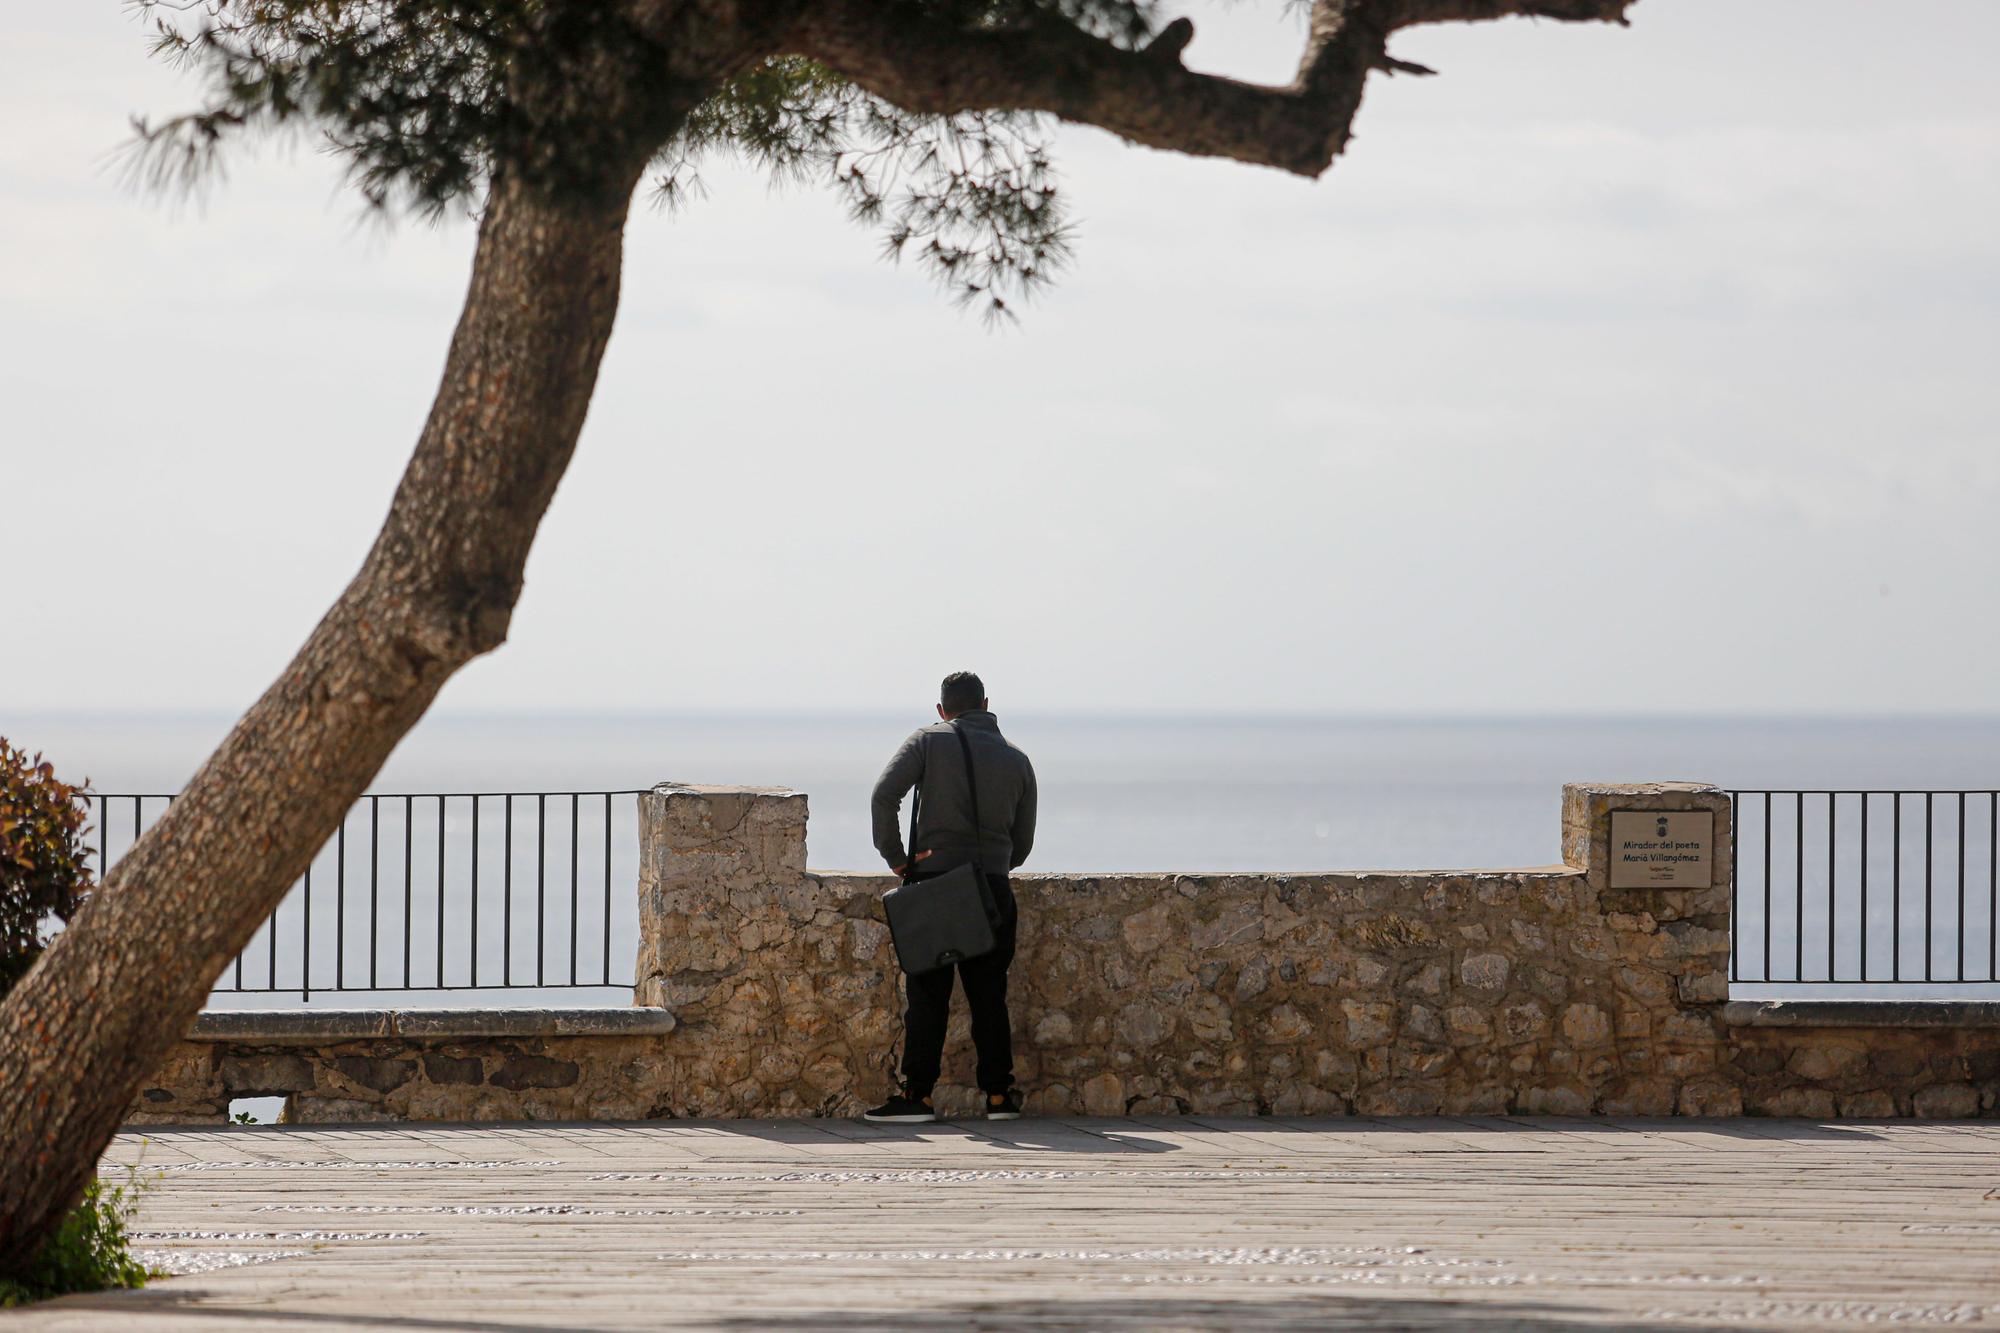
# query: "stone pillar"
{"points": [[1669, 945], [702, 852], [782, 984]]}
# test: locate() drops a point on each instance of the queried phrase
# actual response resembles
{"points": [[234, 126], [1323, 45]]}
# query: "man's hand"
{"points": [[905, 869]]}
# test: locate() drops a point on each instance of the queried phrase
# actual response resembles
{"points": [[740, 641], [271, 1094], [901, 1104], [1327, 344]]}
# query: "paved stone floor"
{"points": [[1063, 1224]]}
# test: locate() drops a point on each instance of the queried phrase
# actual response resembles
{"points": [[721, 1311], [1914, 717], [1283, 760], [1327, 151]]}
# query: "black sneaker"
{"points": [[1004, 1105], [901, 1110]]}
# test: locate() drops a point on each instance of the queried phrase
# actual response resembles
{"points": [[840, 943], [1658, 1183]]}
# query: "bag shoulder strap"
{"points": [[972, 789], [916, 800]]}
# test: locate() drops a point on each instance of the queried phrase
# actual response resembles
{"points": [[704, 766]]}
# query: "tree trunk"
{"points": [[82, 1031]]}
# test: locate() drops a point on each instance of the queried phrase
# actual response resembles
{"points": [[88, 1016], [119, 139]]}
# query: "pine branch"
{"points": [[905, 52]]}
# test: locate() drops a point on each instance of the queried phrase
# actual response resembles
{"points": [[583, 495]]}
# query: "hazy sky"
{"points": [[1612, 370]]}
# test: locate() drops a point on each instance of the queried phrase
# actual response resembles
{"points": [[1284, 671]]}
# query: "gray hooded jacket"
{"points": [[944, 811]]}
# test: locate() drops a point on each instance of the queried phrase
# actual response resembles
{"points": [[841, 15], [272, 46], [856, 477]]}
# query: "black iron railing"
{"points": [[1866, 887], [455, 891]]}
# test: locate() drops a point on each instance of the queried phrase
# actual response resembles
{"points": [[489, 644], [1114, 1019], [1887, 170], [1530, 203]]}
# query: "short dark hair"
{"points": [[961, 692]]}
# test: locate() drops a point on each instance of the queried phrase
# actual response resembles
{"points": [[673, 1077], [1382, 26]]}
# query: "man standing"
{"points": [[932, 761]]}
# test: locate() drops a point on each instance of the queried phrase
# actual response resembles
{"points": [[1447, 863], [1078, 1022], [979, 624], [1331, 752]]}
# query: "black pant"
{"points": [[929, 1008]]}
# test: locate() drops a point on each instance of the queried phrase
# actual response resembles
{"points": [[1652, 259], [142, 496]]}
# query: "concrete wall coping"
{"points": [[719, 789], [1862, 1013], [312, 1026]]}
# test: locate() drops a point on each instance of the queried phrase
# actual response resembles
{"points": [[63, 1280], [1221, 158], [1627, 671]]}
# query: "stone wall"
{"points": [[1529, 990], [1542, 991]]}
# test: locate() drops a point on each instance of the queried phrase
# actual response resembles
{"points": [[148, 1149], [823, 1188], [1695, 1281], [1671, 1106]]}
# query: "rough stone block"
{"points": [[1946, 1101], [521, 1071], [1652, 1096], [1398, 1100], [1522, 1022], [1711, 987], [1710, 1097], [1828, 1063], [1287, 1024], [441, 1068], [1874, 1105], [382, 1075], [1554, 1101], [265, 1075], [301, 1109], [1368, 1021], [1586, 1025], [1104, 1095], [1148, 930]]}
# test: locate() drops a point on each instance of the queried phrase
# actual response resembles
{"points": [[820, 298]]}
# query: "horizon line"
{"points": [[737, 713]]}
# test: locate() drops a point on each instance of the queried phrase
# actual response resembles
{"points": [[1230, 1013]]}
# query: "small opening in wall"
{"points": [[256, 1110]]}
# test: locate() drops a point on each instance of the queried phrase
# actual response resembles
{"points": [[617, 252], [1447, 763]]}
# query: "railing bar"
{"points": [[239, 959], [340, 907], [1799, 890], [104, 840], [1815, 791], [374, 880], [1864, 886], [306, 943], [1832, 889], [606, 964], [1961, 886], [507, 897], [1767, 886], [409, 812], [1929, 852], [573, 803], [475, 892], [1896, 888], [553, 985], [1993, 886], [271, 941], [623, 791], [524, 795], [440, 889], [627, 791], [541, 884]]}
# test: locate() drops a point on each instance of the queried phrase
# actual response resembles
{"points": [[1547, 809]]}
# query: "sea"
{"points": [[1273, 792]]}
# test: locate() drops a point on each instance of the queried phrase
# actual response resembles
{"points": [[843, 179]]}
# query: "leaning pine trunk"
{"points": [[81, 1033]]}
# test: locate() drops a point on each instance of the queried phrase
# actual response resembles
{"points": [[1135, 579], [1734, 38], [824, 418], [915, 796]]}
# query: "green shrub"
{"points": [[44, 862], [88, 1253]]}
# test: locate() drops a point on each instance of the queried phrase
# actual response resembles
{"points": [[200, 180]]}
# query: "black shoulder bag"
{"points": [[950, 917]]}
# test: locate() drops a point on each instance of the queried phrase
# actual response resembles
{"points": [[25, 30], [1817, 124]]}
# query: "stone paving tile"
{"points": [[1043, 1224]]}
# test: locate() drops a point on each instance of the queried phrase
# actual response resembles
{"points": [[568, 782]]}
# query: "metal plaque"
{"points": [[1662, 849]]}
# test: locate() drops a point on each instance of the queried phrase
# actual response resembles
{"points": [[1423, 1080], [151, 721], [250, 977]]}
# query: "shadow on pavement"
{"points": [[1330, 1311], [1113, 1134], [168, 1305]]}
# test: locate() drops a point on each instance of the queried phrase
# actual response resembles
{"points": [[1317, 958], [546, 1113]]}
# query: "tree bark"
{"points": [[93, 1019]]}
